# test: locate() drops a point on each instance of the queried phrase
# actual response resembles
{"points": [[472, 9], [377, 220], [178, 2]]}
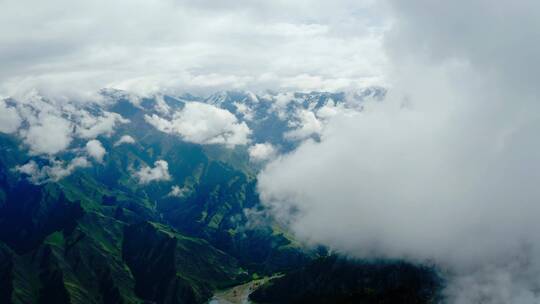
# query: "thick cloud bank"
{"points": [[446, 169]]}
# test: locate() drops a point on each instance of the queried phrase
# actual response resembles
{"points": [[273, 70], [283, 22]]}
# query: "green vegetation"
{"points": [[98, 236]]}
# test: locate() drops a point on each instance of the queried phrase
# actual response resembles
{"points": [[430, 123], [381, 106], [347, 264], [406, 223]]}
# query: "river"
{"points": [[238, 294]]}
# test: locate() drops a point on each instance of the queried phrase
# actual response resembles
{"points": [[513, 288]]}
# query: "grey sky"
{"points": [[70, 49]]}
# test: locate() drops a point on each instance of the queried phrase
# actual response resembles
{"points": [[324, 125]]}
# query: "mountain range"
{"points": [[131, 199]]}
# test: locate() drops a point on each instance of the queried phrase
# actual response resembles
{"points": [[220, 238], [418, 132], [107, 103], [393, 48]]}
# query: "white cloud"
{"points": [[95, 149], [161, 106], [306, 124], [445, 169], [159, 123], [177, 191], [330, 109], [262, 152], [51, 173], [281, 100], [160, 172], [51, 124], [49, 134], [9, 118], [201, 46], [203, 124], [92, 126], [247, 113], [125, 139]]}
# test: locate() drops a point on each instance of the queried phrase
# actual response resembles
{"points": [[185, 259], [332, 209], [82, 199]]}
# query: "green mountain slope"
{"points": [[99, 236]]}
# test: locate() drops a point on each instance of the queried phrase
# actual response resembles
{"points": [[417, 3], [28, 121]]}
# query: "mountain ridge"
{"points": [[136, 200]]}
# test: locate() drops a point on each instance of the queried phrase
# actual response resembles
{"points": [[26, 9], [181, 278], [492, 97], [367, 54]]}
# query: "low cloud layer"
{"points": [[53, 172], [91, 126], [49, 135], [445, 169], [203, 124], [49, 126]]}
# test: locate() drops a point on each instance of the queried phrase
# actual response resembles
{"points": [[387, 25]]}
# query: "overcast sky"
{"points": [[71, 48]]}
